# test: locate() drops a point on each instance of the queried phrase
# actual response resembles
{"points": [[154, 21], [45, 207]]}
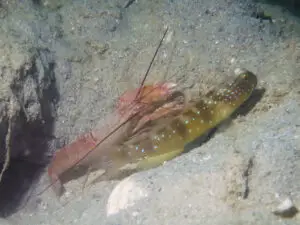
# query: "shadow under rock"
{"points": [[29, 133], [16, 184], [248, 105], [292, 6]]}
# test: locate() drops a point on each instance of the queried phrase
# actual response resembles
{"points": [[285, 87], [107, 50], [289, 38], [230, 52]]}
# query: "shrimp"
{"points": [[165, 138]]}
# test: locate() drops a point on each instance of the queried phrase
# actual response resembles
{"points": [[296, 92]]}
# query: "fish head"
{"points": [[238, 91], [245, 82]]}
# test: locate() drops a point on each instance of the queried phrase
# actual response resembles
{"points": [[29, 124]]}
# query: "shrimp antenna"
{"points": [[122, 124], [151, 62]]}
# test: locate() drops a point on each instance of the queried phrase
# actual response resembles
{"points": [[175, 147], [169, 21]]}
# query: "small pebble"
{"points": [[286, 209]]}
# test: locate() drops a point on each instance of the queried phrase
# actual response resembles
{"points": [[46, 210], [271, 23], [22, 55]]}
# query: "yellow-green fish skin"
{"points": [[195, 121]]}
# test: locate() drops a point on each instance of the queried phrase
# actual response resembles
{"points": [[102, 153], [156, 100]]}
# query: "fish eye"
{"points": [[245, 76]]}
